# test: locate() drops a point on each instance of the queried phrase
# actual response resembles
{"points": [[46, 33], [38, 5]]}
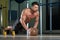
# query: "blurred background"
{"points": [[10, 10]]}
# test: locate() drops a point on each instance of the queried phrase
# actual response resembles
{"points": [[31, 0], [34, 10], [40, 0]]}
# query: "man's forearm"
{"points": [[35, 25], [24, 25]]}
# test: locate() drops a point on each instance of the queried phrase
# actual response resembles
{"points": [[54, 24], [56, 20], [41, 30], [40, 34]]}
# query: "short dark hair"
{"points": [[35, 3]]}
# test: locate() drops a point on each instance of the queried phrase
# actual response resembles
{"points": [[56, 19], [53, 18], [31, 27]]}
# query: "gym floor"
{"points": [[24, 37]]}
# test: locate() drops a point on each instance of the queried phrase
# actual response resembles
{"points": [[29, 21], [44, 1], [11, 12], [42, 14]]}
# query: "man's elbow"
{"points": [[23, 22]]}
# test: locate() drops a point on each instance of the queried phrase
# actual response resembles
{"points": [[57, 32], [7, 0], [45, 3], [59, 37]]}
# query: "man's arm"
{"points": [[36, 21], [23, 18]]}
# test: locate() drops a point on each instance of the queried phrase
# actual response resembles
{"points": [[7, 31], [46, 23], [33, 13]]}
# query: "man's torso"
{"points": [[29, 15]]}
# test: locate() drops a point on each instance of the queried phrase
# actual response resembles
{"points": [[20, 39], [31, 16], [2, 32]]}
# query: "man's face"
{"points": [[35, 8]]}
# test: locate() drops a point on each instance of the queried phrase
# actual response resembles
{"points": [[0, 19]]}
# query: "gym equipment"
{"points": [[33, 31]]}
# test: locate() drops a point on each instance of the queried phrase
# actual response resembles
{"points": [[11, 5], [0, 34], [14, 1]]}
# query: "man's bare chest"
{"points": [[31, 16]]}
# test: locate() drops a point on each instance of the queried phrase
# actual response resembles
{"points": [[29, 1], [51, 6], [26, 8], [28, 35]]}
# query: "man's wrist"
{"points": [[34, 27], [26, 28]]}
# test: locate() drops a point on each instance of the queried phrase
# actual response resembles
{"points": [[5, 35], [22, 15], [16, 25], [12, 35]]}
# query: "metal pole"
{"points": [[50, 15], [27, 23], [41, 18], [18, 10], [1, 16], [10, 11], [1, 20]]}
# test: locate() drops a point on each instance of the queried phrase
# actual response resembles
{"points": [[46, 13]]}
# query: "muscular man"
{"points": [[26, 16]]}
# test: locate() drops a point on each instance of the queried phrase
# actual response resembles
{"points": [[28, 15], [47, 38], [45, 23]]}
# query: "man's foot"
{"points": [[8, 28]]}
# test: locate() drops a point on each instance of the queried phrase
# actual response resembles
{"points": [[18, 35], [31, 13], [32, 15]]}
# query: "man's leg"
{"points": [[18, 27]]}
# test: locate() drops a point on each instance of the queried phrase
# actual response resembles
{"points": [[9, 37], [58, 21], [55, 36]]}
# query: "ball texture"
{"points": [[33, 31]]}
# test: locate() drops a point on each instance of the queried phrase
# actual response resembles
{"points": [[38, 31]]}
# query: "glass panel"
{"points": [[0, 17], [55, 15]]}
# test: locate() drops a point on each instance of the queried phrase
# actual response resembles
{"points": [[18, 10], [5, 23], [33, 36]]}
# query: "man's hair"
{"points": [[35, 3]]}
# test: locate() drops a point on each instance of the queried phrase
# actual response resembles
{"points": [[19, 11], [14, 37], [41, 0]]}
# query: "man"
{"points": [[26, 16]]}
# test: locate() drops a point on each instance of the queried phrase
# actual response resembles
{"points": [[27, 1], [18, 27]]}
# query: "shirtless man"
{"points": [[26, 15]]}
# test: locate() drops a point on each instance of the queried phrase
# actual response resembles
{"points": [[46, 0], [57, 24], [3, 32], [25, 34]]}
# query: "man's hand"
{"points": [[32, 31]]}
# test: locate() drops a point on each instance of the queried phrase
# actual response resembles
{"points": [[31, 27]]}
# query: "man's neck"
{"points": [[32, 11]]}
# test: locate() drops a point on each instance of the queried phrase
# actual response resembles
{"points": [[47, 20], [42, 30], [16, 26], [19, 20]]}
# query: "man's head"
{"points": [[35, 6]]}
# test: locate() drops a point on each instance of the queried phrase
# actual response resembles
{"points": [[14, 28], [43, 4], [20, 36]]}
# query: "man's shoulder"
{"points": [[27, 9], [37, 13]]}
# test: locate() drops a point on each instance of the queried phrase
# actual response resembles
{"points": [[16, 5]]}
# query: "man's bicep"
{"points": [[23, 18], [37, 18], [23, 15]]}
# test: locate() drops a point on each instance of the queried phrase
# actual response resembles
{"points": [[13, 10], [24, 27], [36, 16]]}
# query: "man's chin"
{"points": [[35, 11]]}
